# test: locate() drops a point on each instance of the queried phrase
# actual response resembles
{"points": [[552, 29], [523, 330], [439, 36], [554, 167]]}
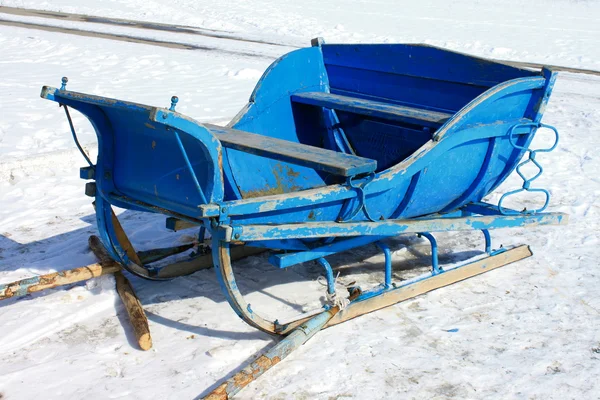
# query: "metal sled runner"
{"points": [[339, 146]]}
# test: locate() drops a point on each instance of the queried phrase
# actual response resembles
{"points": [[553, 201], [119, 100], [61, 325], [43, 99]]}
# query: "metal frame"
{"points": [[363, 233]]}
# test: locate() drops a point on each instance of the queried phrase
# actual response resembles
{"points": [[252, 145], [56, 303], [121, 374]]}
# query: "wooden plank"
{"points": [[137, 316], [449, 277], [176, 224], [124, 240], [48, 281], [411, 290], [372, 108], [204, 261], [134, 309], [295, 153]]}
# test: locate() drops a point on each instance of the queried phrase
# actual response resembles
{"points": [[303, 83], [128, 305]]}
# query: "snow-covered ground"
{"points": [[526, 331]]}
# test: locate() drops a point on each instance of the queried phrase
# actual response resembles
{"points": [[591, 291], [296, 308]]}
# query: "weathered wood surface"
{"points": [[292, 152], [137, 316], [48, 281], [124, 240], [394, 296], [427, 285], [134, 309], [204, 261], [61, 278], [372, 108], [176, 224]]}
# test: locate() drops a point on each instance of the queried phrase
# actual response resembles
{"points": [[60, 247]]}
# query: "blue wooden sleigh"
{"points": [[339, 146]]}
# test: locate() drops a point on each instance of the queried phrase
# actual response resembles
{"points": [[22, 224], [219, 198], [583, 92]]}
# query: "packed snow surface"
{"points": [[526, 331]]}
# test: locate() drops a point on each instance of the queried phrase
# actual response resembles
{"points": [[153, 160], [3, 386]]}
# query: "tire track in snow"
{"points": [[192, 30], [128, 38], [217, 34]]}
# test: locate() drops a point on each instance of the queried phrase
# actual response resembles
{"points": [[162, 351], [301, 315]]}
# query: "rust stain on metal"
{"points": [[153, 144], [149, 125], [276, 360], [242, 378], [219, 393]]}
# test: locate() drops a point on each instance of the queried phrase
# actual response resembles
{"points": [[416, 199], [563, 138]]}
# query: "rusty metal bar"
{"points": [[281, 350]]}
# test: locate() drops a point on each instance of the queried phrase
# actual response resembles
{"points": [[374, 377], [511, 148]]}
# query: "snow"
{"points": [[525, 331]]}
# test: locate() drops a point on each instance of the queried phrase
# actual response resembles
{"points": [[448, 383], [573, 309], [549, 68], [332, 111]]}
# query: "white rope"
{"points": [[332, 298]]}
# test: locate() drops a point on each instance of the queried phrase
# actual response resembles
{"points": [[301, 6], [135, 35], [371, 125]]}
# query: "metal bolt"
{"points": [[236, 236], [64, 81], [224, 209]]}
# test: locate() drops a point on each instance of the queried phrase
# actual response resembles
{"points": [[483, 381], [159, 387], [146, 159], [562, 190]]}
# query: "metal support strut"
{"points": [[387, 283], [328, 275], [435, 268], [488, 241]]}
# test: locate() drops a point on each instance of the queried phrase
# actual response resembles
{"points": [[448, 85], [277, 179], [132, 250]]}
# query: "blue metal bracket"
{"points": [[87, 173], [435, 267], [531, 159], [361, 196]]}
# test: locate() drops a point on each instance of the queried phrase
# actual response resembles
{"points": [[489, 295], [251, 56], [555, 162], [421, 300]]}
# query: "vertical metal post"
{"points": [[328, 275], [434, 253], [388, 263], [488, 241]]}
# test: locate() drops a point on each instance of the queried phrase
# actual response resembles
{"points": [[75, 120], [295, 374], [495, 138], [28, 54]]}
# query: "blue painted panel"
{"points": [[140, 158], [418, 60], [405, 90], [417, 75], [382, 141], [149, 165], [270, 113], [447, 177]]}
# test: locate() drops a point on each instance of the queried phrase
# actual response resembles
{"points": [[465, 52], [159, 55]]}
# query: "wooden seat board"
{"points": [[372, 108], [295, 153]]}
